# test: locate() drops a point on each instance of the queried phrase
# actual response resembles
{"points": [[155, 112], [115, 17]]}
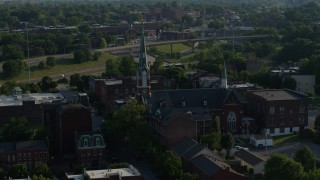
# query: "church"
{"points": [[178, 113]]}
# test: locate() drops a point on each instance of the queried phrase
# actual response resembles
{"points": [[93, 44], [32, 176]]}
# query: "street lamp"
{"points": [[26, 24]]}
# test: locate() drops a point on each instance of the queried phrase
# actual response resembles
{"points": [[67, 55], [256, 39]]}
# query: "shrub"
{"points": [[307, 133]]}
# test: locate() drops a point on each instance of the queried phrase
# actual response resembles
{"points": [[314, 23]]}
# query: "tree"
{"points": [[212, 140], [279, 167], [227, 141], [41, 169], [13, 68], [312, 175], [112, 69], [275, 82], [79, 56], [127, 66], [306, 158], [74, 79], [103, 43], [317, 123], [289, 83], [188, 176], [47, 84], [51, 61], [18, 171], [171, 166], [41, 65]]}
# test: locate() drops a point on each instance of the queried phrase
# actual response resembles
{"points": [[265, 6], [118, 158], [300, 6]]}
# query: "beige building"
{"points": [[305, 83]]}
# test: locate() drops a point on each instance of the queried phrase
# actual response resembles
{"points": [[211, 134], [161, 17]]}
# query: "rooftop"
{"points": [[278, 94], [248, 157], [123, 172], [39, 98]]}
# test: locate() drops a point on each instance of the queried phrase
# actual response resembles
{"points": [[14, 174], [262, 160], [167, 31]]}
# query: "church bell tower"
{"points": [[143, 70]]}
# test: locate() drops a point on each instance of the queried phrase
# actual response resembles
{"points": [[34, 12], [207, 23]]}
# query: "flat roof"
{"points": [[278, 94], [75, 177], [113, 82], [123, 172], [39, 98]]}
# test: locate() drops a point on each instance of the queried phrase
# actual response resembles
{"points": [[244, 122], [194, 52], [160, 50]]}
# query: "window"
{"points": [[19, 156], [183, 103], [169, 84], [271, 121], [232, 118], [301, 120], [83, 161], [13, 158], [35, 155], [8, 158], [281, 121], [127, 91], [116, 91], [85, 142], [94, 152], [133, 90], [24, 156], [88, 152], [82, 153], [281, 109], [165, 83], [29, 156], [271, 130], [272, 110], [205, 102], [302, 109], [100, 151], [45, 155], [40, 155], [97, 142]]}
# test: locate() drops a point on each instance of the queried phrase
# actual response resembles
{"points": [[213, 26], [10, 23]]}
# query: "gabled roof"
{"points": [[248, 157], [206, 165], [183, 145], [36, 144]]}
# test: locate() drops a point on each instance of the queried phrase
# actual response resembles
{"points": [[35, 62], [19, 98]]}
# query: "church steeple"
{"points": [[143, 72], [224, 79]]}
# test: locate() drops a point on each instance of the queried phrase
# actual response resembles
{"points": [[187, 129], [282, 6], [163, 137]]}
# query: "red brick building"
{"points": [[28, 153], [190, 112], [90, 149], [278, 111], [71, 118]]}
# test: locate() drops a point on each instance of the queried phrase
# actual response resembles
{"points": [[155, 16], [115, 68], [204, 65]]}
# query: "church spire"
{"points": [[143, 53], [224, 79]]}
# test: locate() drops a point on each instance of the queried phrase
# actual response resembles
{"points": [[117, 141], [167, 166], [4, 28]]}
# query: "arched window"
{"points": [[232, 119], [144, 79]]}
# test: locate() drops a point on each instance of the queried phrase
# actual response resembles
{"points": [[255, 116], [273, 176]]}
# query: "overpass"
{"points": [[134, 46]]}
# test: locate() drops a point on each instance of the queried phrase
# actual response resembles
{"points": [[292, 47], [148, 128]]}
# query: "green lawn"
{"points": [[278, 140], [64, 66], [175, 48]]}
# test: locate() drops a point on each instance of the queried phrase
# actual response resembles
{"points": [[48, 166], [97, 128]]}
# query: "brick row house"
{"points": [[90, 148], [28, 153], [278, 112]]}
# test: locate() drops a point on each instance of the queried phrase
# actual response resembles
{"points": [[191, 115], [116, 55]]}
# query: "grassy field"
{"points": [[63, 66], [175, 48], [278, 140]]}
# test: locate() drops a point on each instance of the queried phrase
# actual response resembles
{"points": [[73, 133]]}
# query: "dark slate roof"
{"points": [[35, 144], [7, 146], [192, 151], [183, 145], [192, 97], [248, 157], [279, 94], [205, 165]]}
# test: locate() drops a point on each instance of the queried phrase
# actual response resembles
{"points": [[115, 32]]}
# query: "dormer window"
{"points": [[205, 102], [97, 142], [85, 142], [183, 103]]}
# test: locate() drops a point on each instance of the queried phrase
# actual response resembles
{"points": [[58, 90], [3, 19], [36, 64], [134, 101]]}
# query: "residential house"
{"points": [[28, 153], [253, 162], [278, 111], [90, 148]]}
